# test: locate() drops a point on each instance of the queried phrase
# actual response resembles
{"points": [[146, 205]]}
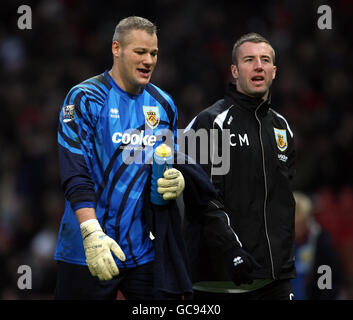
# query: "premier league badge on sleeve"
{"points": [[152, 116], [68, 113], [281, 139]]}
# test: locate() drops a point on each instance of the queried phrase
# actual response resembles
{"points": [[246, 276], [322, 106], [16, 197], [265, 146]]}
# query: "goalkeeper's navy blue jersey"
{"points": [[106, 138]]}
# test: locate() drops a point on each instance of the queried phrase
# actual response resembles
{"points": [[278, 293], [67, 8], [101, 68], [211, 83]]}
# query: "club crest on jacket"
{"points": [[281, 138], [152, 116], [68, 113]]}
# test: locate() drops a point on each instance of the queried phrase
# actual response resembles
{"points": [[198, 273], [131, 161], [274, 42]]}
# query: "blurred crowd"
{"points": [[70, 41]]}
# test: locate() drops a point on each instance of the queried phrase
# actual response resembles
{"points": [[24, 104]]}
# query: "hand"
{"points": [[240, 265], [172, 185], [97, 248]]}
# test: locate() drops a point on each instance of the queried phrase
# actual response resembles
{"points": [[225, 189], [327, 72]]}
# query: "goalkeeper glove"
{"points": [[97, 249], [240, 265], [171, 185]]}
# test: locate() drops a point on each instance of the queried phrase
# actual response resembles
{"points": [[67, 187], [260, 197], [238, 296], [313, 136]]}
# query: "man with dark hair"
{"points": [[250, 37], [256, 190]]}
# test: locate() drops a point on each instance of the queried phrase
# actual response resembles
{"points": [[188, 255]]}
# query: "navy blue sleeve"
{"points": [[75, 124]]}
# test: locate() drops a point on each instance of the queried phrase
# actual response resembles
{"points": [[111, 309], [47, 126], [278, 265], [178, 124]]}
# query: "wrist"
{"points": [[89, 226], [84, 214]]}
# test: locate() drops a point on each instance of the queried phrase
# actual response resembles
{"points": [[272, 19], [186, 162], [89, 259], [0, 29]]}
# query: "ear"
{"points": [[116, 47], [234, 70], [274, 72]]}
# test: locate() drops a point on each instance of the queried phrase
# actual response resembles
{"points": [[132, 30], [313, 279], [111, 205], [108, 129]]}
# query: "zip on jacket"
{"points": [[265, 185]]}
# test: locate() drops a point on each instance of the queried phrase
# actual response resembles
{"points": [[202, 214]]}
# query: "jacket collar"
{"points": [[246, 102]]}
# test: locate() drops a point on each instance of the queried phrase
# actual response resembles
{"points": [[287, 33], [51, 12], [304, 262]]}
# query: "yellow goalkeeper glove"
{"points": [[97, 249], [171, 185]]}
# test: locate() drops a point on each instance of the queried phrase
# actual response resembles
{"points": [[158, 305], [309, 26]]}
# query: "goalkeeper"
{"points": [[104, 243]]}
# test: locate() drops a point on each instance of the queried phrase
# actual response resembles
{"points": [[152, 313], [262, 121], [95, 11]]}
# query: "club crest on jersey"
{"points": [[152, 116], [68, 113], [281, 138]]}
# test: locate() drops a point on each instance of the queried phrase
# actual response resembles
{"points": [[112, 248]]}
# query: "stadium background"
{"points": [[70, 40]]}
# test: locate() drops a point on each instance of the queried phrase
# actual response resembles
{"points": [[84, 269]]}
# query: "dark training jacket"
{"points": [[256, 190]]}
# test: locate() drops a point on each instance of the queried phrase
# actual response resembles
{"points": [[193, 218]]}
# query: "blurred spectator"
{"points": [[314, 248]]}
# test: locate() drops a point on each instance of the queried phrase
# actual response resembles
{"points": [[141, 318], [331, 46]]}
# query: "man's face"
{"points": [[254, 71], [135, 59]]}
